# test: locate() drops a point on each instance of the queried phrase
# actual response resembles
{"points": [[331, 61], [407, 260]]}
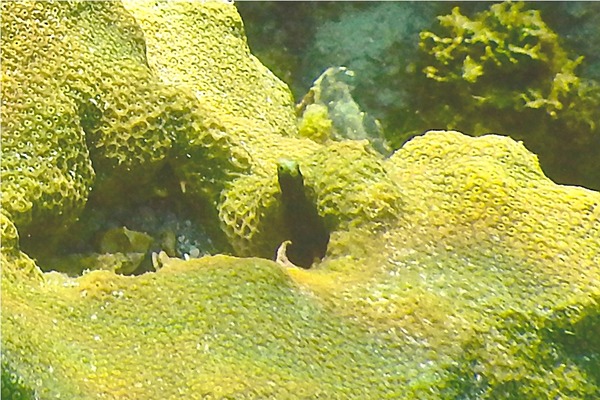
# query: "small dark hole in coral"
{"points": [[305, 252], [123, 229], [306, 229]]}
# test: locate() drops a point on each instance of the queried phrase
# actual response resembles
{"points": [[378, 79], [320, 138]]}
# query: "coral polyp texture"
{"points": [[486, 254], [345, 180], [454, 269], [206, 52], [82, 109]]}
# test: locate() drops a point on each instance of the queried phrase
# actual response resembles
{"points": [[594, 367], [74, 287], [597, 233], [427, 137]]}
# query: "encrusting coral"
{"points": [[77, 92], [345, 180], [442, 287], [454, 267]]}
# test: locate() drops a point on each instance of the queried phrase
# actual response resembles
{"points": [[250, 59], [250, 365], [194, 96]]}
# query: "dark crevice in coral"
{"points": [[123, 230], [305, 227]]}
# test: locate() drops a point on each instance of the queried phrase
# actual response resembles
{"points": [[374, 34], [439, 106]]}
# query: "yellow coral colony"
{"points": [[454, 268]]}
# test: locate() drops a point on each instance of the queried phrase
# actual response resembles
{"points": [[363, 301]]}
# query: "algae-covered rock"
{"points": [[125, 240], [341, 118], [77, 264], [119, 250]]}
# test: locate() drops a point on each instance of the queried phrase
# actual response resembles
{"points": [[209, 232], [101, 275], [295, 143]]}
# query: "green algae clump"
{"points": [[493, 48], [504, 70]]}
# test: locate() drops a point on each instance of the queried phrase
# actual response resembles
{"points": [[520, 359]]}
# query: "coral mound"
{"points": [[454, 269], [486, 283]]}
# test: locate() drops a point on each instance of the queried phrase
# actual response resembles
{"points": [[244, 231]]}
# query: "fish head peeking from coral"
{"points": [[306, 234]]}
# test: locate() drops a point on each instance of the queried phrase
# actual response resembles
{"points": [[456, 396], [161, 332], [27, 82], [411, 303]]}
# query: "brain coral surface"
{"points": [[459, 271]]}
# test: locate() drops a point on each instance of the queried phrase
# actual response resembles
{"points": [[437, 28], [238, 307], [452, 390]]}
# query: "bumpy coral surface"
{"points": [[203, 47], [345, 180], [487, 284], [78, 93], [455, 268]]}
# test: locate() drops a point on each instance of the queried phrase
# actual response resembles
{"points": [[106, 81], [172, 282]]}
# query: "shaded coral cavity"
{"points": [[305, 227], [124, 238]]}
